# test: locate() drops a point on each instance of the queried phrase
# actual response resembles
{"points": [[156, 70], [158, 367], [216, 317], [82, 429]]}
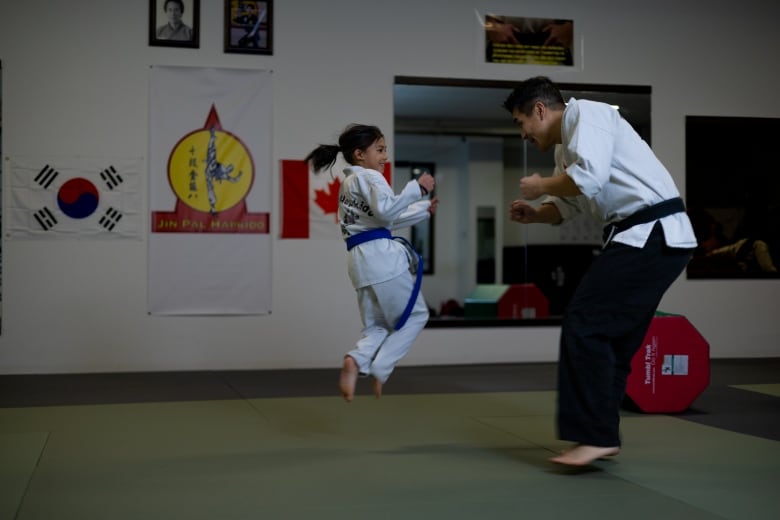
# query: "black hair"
{"points": [[539, 88], [354, 137], [181, 4]]}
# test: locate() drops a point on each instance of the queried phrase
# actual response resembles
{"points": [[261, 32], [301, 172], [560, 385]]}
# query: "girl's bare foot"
{"points": [[348, 379], [582, 455], [377, 388]]}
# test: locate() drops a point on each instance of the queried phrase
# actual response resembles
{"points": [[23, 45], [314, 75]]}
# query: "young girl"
{"points": [[392, 310]]}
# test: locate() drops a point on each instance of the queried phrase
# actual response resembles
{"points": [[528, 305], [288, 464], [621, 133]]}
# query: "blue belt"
{"points": [[378, 233]]}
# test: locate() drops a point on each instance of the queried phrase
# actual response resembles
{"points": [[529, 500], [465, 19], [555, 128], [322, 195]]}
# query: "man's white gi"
{"points": [[602, 155]]}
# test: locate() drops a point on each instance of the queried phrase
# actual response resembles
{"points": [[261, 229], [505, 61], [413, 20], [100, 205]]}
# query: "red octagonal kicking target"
{"points": [[671, 368]]}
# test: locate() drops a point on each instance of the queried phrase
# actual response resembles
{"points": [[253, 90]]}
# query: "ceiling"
{"points": [[476, 108]]}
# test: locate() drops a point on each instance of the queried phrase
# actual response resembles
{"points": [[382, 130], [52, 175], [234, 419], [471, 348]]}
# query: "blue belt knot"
{"points": [[379, 233]]}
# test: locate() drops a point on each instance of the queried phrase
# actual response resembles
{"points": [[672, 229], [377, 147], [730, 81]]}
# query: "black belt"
{"points": [[644, 215]]}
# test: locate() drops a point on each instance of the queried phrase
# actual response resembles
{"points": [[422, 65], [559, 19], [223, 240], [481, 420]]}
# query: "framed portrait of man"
{"points": [[174, 23], [249, 26]]}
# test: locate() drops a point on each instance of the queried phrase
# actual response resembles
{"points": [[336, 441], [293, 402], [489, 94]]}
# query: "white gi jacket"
{"points": [[617, 173], [366, 201]]}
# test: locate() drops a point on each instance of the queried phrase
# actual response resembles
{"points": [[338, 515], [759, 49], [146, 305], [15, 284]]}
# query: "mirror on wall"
{"points": [[481, 259]]}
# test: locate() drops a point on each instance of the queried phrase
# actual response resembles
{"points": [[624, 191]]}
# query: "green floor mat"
{"points": [[19, 453], [769, 389], [413, 456]]}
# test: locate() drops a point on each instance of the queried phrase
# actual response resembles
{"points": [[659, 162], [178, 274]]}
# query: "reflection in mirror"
{"points": [[461, 127], [486, 245], [422, 237]]}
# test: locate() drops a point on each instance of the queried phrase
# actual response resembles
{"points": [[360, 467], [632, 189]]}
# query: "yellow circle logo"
{"points": [[210, 170]]}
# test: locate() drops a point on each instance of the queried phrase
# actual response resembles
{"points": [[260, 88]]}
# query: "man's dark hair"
{"points": [[181, 4], [532, 90]]}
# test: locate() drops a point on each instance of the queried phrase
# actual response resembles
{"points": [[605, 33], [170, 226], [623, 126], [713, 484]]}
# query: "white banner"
{"points": [[74, 197], [210, 191]]}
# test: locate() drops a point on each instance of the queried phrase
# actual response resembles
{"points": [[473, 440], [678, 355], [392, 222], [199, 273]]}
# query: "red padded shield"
{"points": [[523, 300], [671, 368]]}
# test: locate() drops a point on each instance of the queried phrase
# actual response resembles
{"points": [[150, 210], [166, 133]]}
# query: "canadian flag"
{"points": [[309, 201]]}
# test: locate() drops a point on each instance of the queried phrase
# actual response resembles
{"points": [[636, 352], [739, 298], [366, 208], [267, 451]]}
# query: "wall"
{"points": [[75, 82]]}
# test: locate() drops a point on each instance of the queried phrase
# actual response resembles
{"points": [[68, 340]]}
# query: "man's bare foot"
{"points": [[614, 451], [377, 388], [348, 379], [582, 455]]}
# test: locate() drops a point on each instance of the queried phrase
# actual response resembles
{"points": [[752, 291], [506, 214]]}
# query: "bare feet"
{"points": [[613, 451], [377, 388], [582, 455], [348, 379]]}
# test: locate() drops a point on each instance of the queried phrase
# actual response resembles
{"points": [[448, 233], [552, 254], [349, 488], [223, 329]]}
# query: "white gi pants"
{"points": [[381, 346]]}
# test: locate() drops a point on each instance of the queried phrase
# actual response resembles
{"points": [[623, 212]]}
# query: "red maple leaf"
{"points": [[328, 199]]}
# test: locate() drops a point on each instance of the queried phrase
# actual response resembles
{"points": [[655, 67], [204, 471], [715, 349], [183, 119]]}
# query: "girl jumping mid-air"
{"points": [[380, 266]]}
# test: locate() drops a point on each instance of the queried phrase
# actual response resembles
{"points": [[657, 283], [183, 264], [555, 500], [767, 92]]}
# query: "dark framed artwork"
{"points": [[528, 41], [174, 23], [249, 26], [733, 198]]}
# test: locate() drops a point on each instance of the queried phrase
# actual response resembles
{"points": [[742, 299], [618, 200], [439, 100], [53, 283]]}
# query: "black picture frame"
{"points": [[160, 31], [249, 26]]}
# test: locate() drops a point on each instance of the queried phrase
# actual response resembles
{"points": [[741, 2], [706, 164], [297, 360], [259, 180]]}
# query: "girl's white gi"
{"points": [[380, 269]]}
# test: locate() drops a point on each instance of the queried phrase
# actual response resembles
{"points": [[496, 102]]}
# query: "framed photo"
{"points": [[249, 26], [528, 41], [174, 23]]}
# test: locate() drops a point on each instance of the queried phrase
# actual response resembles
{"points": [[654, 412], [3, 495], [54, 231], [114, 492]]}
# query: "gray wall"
{"points": [[75, 82]]}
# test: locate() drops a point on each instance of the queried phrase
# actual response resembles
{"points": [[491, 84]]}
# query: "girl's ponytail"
{"points": [[323, 156]]}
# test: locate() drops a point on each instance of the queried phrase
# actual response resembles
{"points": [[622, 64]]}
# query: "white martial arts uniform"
{"points": [[602, 155], [380, 269]]}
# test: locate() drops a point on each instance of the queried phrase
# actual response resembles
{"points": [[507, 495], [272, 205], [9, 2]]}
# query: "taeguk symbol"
{"points": [[78, 198]]}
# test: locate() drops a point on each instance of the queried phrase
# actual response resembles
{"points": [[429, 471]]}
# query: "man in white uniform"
{"points": [[602, 167]]}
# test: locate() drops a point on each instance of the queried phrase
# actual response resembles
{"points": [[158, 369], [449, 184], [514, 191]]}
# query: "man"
{"points": [[175, 29], [602, 167]]}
